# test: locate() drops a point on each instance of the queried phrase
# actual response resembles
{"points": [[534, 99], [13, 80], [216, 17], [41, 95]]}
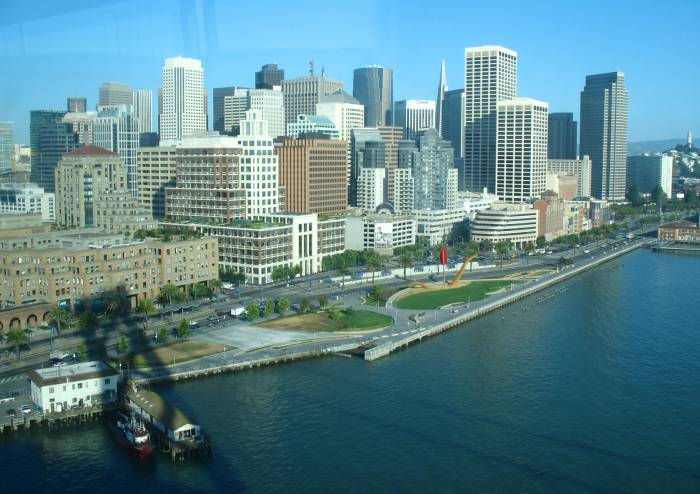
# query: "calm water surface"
{"points": [[597, 390]]}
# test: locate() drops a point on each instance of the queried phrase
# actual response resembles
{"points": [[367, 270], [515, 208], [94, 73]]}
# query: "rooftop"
{"points": [[71, 373], [90, 150], [680, 224], [155, 406]]}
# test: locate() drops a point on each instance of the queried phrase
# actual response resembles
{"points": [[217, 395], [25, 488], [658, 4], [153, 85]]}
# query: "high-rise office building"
{"points": [[440, 100], [373, 87], [269, 76], [431, 160], [143, 109], [371, 189], [490, 76], [7, 145], [270, 104], [391, 135], [218, 107], [235, 106], [649, 170], [49, 138], [184, 98], [367, 150], [82, 125], [452, 119], [344, 111], [414, 115], [313, 173], [604, 133], [157, 170], [562, 138], [116, 129], [76, 104], [115, 93], [301, 95], [521, 149]]}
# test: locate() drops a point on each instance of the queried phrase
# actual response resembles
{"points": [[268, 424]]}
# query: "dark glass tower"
{"points": [[49, 138], [267, 77], [367, 150], [373, 87], [561, 136], [219, 94]]}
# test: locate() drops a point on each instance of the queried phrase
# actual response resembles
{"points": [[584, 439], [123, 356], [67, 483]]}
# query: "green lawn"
{"points": [[357, 320], [475, 291]]}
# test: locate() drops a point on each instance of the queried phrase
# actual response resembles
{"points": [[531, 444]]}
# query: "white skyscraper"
{"points": [[116, 129], [183, 98], [521, 149], [270, 104], [490, 76], [344, 111], [143, 109], [414, 115], [258, 166]]}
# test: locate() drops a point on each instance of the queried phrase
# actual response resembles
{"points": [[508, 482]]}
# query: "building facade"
{"points": [[269, 76], [581, 169], [270, 104], [116, 129], [7, 145], [183, 98], [648, 171], [367, 150], [344, 111], [604, 134], [301, 95], [49, 138], [313, 124], [218, 107], [157, 171], [143, 109], [452, 120], [414, 115], [550, 224], [562, 143], [373, 88], [27, 199], [490, 76], [371, 189], [379, 232], [56, 389], [114, 93], [392, 136], [521, 149], [517, 223], [76, 104], [313, 173]]}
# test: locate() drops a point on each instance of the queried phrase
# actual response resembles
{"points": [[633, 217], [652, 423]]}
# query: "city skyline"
{"points": [[159, 30]]}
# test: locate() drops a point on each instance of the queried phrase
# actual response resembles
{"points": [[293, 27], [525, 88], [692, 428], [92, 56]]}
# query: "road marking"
{"points": [[11, 378]]}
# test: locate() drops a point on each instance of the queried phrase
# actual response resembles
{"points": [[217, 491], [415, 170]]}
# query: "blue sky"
{"points": [[53, 49]]}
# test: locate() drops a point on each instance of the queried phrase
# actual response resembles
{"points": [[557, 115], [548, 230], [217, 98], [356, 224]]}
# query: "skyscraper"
{"points": [[563, 132], [301, 95], [452, 115], [219, 94], [184, 111], [116, 129], [49, 138], [114, 93], [604, 133], [391, 135], [270, 104], [367, 150], [431, 160], [235, 106], [439, 102], [490, 76], [414, 115], [521, 149], [143, 109], [647, 171], [269, 76], [7, 145], [76, 104], [373, 87], [344, 111]]}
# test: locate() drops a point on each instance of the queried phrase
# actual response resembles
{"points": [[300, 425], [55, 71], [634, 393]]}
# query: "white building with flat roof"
{"points": [[56, 389], [379, 232], [27, 199], [414, 115], [514, 222], [311, 124], [183, 111]]}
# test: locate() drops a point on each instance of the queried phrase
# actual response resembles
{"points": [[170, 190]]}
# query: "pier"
{"points": [[54, 420]]}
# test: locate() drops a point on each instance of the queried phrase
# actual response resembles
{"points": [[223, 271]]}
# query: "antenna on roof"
{"points": [[311, 68]]}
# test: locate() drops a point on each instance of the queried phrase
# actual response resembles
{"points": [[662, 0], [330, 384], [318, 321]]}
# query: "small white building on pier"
{"points": [[166, 418]]}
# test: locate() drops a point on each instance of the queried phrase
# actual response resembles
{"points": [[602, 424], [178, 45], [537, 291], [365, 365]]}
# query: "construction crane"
{"points": [[459, 274]]}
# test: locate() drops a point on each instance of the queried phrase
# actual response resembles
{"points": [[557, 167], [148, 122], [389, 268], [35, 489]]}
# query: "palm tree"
{"points": [[405, 262], [16, 338], [88, 322], [168, 292], [373, 263], [147, 307], [60, 317], [502, 248]]}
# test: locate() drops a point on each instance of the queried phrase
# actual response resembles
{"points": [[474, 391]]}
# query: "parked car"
{"points": [[11, 412], [25, 409]]}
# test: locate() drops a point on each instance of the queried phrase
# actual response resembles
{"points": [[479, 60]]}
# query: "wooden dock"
{"points": [[55, 420]]}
